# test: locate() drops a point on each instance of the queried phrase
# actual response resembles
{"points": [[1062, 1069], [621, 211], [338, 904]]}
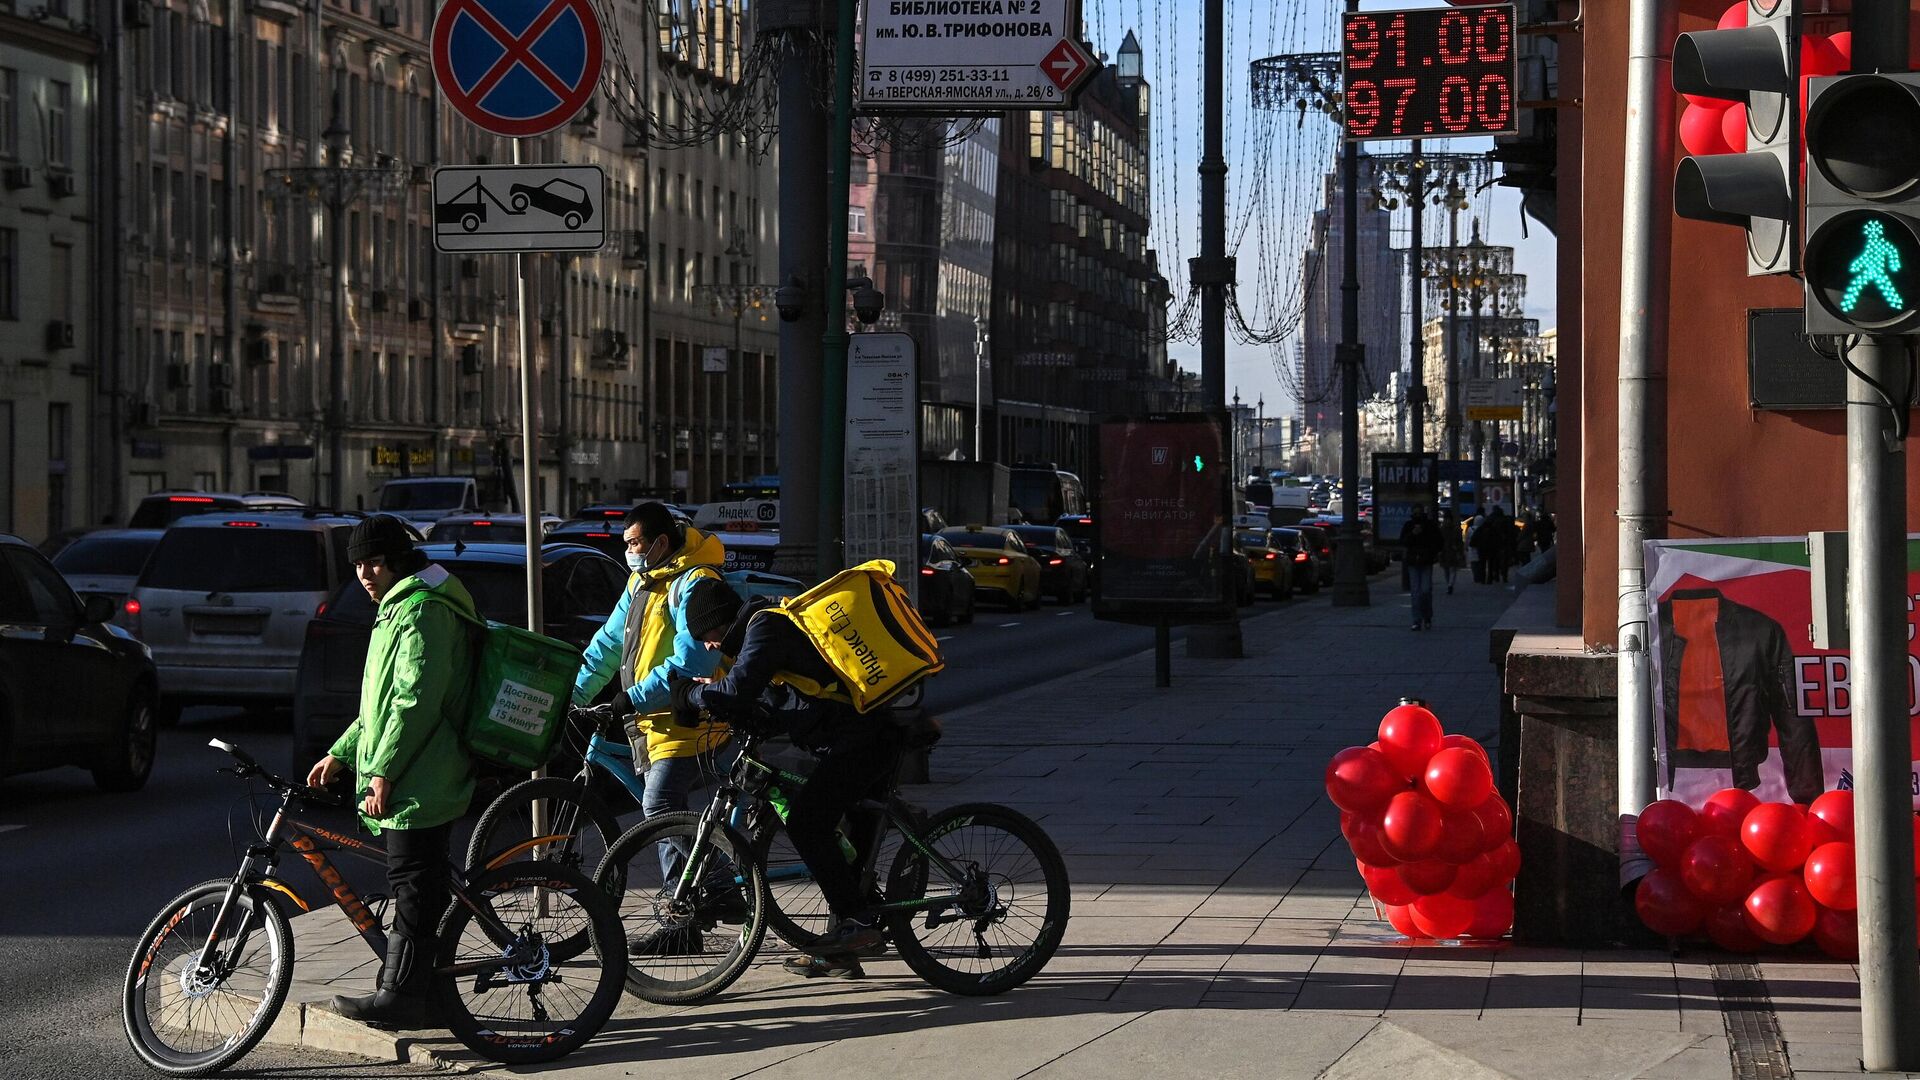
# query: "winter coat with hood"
{"points": [[418, 665], [646, 643]]}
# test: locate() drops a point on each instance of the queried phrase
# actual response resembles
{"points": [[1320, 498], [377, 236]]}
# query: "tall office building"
{"points": [[1382, 277]]}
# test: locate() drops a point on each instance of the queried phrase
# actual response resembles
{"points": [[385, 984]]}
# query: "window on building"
{"points": [[59, 126], [200, 230], [178, 220], [9, 274], [60, 282], [59, 446], [9, 113]]}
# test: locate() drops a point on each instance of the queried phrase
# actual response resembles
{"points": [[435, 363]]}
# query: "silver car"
{"points": [[224, 602], [106, 563]]}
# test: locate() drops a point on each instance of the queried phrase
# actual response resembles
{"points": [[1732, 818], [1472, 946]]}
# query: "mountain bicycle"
{"points": [[576, 811], [212, 969], [975, 897]]}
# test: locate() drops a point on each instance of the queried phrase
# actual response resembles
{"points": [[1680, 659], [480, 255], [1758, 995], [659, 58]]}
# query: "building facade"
{"points": [[253, 138], [49, 206], [1084, 336], [1382, 276]]}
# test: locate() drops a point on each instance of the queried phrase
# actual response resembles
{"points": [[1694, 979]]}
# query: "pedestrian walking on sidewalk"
{"points": [[1453, 548], [405, 750], [1493, 541], [1420, 546]]}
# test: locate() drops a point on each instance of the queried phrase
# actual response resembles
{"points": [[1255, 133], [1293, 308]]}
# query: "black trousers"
{"points": [[417, 880], [857, 767]]}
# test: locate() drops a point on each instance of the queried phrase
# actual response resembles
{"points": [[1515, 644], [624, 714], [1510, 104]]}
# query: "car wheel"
{"points": [[520, 202], [573, 220], [470, 222], [127, 760]]}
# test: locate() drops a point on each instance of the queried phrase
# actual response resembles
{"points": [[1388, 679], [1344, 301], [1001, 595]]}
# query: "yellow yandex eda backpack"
{"points": [[867, 631]]}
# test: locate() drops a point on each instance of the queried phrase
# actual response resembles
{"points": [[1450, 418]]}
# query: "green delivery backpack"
{"points": [[517, 700]]}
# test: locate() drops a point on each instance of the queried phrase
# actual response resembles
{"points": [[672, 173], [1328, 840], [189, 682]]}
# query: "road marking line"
{"points": [[11, 828], [944, 637], [1004, 625], [1057, 614]]}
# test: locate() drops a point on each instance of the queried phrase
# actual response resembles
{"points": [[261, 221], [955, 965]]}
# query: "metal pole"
{"points": [[1643, 307], [1477, 433], [529, 437], [1417, 380], [337, 355], [1212, 273], [1349, 560], [802, 248], [1877, 625], [833, 352], [1453, 331], [979, 367]]}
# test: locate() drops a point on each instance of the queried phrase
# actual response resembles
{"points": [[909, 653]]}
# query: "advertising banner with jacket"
{"points": [[1741, 697]]}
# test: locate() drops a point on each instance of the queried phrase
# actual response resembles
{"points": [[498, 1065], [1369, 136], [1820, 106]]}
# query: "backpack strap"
{"points": [[476, 640]]}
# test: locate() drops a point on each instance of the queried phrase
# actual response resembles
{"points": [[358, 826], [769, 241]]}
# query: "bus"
{"points": [[1044, 493]]}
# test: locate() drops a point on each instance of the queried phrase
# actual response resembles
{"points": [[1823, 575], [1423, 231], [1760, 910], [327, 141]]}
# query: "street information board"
{"points": [[519, 208], [883, 455], [1158, 518], [951, 56], [1401, 482], [1494, 399], [1429, 73]]}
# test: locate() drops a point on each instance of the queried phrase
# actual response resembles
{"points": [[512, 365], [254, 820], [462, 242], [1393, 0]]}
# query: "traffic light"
{"points": [[1758, 66], [1862, 254]]}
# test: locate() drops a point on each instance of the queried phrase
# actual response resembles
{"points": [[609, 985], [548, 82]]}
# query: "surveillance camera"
{"points": [[868, 302], [790, 300]]}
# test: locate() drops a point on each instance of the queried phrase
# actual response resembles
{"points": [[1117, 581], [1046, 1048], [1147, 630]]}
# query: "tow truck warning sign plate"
{"points": [[971, 56], [519, 208]]}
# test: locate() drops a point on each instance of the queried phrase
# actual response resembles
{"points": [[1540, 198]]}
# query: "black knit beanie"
{"points": [[711, 606], [384, 536]]}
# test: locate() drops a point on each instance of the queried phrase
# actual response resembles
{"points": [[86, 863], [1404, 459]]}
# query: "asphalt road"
{"points": [[84, 871]]}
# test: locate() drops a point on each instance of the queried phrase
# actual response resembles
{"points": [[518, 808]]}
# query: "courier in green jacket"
{"points": [[405, 749]]}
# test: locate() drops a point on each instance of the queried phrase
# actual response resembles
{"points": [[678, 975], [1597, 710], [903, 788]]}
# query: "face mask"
{"points": [[636, 563]]}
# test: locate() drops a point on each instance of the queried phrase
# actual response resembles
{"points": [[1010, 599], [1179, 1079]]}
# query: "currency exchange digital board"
{"points": [[1432, 73]]}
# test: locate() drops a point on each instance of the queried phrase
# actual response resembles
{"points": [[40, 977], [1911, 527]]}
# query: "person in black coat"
{"points": [[1420, 542]]}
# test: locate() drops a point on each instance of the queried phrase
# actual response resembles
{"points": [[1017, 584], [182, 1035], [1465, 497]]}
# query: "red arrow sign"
{"points": [[1065, 65]]}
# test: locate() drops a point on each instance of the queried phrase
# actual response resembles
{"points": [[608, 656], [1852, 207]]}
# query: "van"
{"points": [[224, 602]]}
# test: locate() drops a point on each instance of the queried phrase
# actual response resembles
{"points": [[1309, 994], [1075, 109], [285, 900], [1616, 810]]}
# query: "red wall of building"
{"points": [[1729, 470]]}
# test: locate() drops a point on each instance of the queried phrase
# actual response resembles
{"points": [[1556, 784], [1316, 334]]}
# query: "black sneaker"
{"points": [[825, 967], [667, 941], [851, 937]]}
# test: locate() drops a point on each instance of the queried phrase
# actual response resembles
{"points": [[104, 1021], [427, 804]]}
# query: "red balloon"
{"points": [[1506, 859], [1728, 928], [1495, 819], [1428, 876], [1478, 876], [1492, 915], [1717, 870], [1465, 743], [1442, 916], [1837, 933], [1361, 780], [1409, 735], [1461, 839], [1384, 884], [1700, 131], [1411, 827], [1733, 127], [1665, 905], [1400, 917], [1458, 778], [1829, 876], [1367, 844], [1775, 834], [1833, 812], [1780, 910], [1724, 810], [1665, 829]]}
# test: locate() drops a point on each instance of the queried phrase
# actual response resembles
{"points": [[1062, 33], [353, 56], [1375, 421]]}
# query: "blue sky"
{"points": [[1170, 34]]}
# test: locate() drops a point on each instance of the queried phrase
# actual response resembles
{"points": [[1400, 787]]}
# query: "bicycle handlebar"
{"points": [[245, 766]]}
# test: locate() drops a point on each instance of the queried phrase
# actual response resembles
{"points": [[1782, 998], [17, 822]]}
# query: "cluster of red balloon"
{"points": [[1714, 126], [1751, 874], [1431, 837]]}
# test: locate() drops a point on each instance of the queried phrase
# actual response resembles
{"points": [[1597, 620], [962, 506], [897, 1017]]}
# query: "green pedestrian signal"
{"points": [[1198, 464], [1876, 260]]}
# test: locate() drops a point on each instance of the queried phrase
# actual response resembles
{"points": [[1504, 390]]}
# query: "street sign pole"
{"points": [[529, 436]]}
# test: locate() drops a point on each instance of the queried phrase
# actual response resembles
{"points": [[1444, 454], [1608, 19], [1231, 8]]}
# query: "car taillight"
{"points": [[1300, 556], [599, 536], [131, 607], [1004, 561], [926, 571], [481, 523], [321, 611], [244, 525], [1272, 555], [1055, 562], [189, 499]]}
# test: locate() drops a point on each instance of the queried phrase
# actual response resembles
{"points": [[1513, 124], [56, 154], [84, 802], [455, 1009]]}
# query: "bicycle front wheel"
{"points": [[527, 1000], [1003, 906], [190, 1011], [796, 910], [687, 951]]}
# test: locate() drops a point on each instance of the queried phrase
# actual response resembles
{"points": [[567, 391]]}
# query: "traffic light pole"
{"points": [[1416, 348], [1877, 618], [1349, 559]]}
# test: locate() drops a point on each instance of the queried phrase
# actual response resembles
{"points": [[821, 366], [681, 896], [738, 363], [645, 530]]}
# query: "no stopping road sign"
{"points": [[517, 68]]}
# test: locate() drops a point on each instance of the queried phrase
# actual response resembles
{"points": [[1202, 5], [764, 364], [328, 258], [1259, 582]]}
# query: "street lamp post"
{"points": [[337, 186]]}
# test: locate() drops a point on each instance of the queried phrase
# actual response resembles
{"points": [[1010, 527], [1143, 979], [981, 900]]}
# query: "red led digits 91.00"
{"points": [[1429, 73]]}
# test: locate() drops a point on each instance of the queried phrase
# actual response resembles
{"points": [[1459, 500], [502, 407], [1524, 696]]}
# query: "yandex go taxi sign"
{"points": [[949, 56]]}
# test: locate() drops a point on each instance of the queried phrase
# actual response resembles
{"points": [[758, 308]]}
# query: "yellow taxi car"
{"points": [[1272, 573], [999, 563]]}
